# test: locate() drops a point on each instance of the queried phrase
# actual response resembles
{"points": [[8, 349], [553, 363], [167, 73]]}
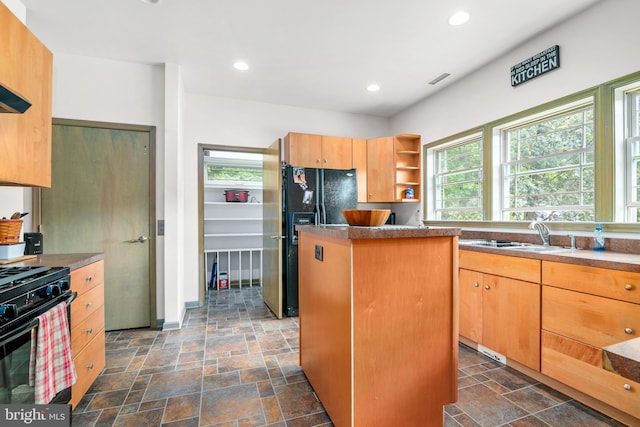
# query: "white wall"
{"points": [[118, 92], [596, 46], [222, 121]]}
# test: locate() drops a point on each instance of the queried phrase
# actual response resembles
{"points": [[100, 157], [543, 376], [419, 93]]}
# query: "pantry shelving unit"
{"points": [[233, 237]]}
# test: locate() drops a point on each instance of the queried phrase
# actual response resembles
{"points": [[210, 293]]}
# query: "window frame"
{"points": [[432, 168], [500, 147]]}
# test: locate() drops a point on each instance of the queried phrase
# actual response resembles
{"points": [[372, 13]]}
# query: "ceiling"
{"points": [[319, 54]]}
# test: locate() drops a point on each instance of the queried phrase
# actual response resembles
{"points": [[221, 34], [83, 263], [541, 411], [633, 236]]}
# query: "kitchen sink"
{"points": [[504, 244], [491, 243], [538, 248]]}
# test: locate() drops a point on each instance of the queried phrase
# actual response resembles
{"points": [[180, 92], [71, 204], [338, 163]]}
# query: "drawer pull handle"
{"points": [[475, 285], [487, 287], [628, 331], [628, 287], [89, 304], [627, 387], [88, 278], [90, 330], [90, 366]]}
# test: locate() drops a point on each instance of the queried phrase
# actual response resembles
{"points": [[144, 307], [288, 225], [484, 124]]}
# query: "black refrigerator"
{"points": [[310, 196]]}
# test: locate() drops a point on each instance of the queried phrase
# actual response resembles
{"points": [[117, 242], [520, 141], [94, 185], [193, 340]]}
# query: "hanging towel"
{"points": [[54, 367]]}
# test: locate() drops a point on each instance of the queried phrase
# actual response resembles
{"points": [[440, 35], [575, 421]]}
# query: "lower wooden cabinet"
{"points": [[87, 327], [501, 313], [585, 309]]}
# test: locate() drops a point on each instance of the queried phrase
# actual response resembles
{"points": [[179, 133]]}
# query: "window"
{"points": [[457, 167], [631, 123], [233, 169], [547, 166]]}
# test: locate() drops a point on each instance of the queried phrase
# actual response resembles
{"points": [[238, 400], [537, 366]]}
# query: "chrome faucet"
{"points": [[542, 230]]}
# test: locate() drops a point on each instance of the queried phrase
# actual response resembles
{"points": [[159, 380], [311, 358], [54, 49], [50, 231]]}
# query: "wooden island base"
{"points": [[378, 322]]}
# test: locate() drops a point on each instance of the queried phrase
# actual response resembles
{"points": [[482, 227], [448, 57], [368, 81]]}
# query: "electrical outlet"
{"points": [[161, 227], [319, 252]]}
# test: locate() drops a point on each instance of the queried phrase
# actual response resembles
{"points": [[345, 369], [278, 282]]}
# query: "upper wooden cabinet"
{"points": [[25, 139], [387, 168], [380, 170], [318, 151]]}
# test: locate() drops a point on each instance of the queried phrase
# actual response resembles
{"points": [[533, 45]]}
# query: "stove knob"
{"points": [[53, 290], [64, 285], [50, 291], [8, 311]]}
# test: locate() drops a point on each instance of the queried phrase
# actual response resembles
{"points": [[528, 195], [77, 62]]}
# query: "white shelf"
{"points": [[232, 219], [233, 235], [233, 203]]}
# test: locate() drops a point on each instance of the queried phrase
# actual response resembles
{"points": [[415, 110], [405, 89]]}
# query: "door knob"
{"points": [[140, 239]]}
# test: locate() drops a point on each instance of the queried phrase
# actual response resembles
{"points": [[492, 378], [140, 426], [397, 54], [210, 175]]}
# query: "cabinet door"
{"points": [[380, 170], [470, 297], [25, 139], [495, 304], [360, 164], [303, 150], [523, 322], [337, 153]]}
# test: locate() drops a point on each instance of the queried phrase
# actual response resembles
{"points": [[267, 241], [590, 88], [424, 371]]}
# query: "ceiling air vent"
{"points": [[439, 78]]}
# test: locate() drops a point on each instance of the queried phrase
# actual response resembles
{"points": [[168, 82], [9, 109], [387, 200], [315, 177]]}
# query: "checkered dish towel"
{"points": [[54, 367]]}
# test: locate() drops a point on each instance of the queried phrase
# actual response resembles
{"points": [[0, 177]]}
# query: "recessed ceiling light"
{"points": [[373, 87], [150, 1], [241, 66], [458, 18]]}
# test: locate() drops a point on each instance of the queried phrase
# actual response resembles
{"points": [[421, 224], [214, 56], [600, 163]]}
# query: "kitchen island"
{"points": [[379, 322]]}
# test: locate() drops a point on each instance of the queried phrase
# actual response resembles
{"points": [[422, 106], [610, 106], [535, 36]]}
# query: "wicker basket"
{"points": [[10, 230]]}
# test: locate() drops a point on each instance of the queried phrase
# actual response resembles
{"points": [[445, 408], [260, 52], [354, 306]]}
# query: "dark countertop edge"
{"points": [[605, 259], [390, 232], [623, 358], [73, 261]]}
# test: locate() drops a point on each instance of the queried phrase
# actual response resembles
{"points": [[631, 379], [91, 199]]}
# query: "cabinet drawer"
{"points": [[87, 277], [591, 319], [85, 330], [501, 265], [617, 284], [594, 381], [89, 363], [86, 304]]}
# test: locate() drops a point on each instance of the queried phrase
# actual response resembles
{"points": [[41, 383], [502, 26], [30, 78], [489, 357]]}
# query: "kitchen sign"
{"points": [[543, 62]]}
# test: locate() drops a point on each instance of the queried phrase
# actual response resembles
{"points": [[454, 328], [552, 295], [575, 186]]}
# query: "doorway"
{"points": [[230, 200], [102, 200]]}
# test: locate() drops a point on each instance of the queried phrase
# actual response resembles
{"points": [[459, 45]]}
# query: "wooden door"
{"points": [[337, 153], [360, 164], [494, 313], [470, 297], [380, 170], [272, 229], [303, 150], [99, 201], [523, 324]]}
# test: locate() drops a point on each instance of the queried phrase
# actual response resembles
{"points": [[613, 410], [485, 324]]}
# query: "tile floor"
{"points": [[233, 364]]}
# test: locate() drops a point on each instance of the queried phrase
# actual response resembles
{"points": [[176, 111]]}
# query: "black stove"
{"points": [[25, 294], [24, 289]]}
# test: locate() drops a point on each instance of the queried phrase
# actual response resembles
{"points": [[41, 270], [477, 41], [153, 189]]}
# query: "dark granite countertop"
{"points": [[381, 232], [603, 259], [73, 261], [623, 359]]}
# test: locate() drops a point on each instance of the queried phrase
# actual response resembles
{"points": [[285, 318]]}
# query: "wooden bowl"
{"points": [[366, 218]]}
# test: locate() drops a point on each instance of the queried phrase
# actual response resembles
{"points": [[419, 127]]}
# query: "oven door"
{"points": [[16, 367]]}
